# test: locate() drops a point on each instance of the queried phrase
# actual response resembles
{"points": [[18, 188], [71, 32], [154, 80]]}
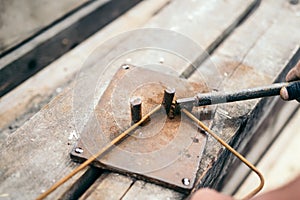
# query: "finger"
{"points": [[291, 91], [284, 94], [294, 74]]}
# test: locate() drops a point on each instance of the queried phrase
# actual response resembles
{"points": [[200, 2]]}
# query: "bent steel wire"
{"points": [[232, 150], [133, 127]]}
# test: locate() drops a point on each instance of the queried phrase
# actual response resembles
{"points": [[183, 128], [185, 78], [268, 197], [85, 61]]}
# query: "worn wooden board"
{"points": [[188, 29], [279, 165], [143, 190], [57, 40], [20, 20], [252, 57], [233, 17], [20, 104], [136, 59], [138, 186], [38, 151], [102, 188], [59, 139], [61, 155]]}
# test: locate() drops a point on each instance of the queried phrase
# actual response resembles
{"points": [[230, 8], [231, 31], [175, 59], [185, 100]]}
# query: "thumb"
{"points": [[284, 94]]}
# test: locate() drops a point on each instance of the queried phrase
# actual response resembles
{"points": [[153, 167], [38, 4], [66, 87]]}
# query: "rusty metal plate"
{"points": [[165, 151]]}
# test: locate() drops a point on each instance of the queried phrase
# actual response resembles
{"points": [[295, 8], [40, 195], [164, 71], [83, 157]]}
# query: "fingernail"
{"points": [[284, 93]]}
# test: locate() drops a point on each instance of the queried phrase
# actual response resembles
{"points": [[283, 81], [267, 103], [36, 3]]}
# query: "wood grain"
{"points": [[102, 188], [62, 155], [157, 22], [36, 155], [20, 20], [46, 146], [251, 57], [241, 57], [143, 190], [279, 164], [24, 101]]}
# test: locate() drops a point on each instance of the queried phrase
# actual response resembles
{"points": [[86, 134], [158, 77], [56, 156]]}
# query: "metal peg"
{"points": [[169, 94], [136, 109]]}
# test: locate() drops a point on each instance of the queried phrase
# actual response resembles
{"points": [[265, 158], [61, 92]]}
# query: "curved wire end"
{"points": [[232, 150]]}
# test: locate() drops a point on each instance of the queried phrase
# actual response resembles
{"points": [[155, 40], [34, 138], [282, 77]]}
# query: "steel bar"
{"points": [[202, 99], [136, 109], [169, 94]]}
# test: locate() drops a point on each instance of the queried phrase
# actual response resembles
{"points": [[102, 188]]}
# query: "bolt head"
{"points": [[78, 150], [125, 66], [186, 181]]}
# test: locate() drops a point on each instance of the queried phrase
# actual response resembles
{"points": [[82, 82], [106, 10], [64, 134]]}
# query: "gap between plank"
{"points": [[80, 186], [212, 47], [16, 72]]}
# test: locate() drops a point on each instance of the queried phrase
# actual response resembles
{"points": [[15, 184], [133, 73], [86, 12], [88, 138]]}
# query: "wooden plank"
{"points": [[102, 188], [143, 190], [19, 105], [45, 146], [151, 184], [20, 20], [250, 57], [232, 17], [25, 48], [269, 130], [193, 23], [68, 37], [39, 151], [167, 19], [168, 12], [278, 165], [248, 106]]}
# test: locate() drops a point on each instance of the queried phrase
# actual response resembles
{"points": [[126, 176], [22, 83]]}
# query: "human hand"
{"points": [[288, 191], [209, 194], [293, 75]]}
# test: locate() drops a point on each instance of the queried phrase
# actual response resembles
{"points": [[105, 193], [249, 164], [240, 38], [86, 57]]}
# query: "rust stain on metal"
{"points": [[162, 151]]}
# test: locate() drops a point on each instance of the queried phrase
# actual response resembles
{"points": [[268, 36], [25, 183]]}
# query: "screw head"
{"points": [[78, 150], [125, 66], [186, 181]]}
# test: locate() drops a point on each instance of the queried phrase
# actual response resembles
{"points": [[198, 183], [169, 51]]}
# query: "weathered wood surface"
{"points": [[252, 57], [21, 103], [102, 188], [266, 133], [157, 22], [61, 155], [143, 190], [278, 164], [35, 150], [39, 86], [21, 19], [46, 127], [58, 40]]}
